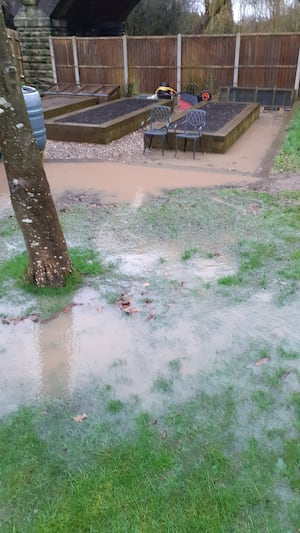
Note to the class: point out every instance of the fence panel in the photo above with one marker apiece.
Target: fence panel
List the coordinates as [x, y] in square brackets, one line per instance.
[151, 60]
[100, 60]
[64, 60]
[207, 61]
[268, 60]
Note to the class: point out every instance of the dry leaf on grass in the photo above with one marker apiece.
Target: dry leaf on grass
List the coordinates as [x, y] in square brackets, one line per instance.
[80, 418]
[131, 310]
[263, 361]
[151, 314]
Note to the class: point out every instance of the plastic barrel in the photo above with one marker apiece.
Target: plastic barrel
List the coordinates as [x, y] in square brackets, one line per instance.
[36, 114]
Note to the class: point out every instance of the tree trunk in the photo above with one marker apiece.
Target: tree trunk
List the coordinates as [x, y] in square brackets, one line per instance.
[48, 259]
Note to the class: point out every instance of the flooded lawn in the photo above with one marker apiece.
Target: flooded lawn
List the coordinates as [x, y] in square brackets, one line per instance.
[164, 393]
[195, 281]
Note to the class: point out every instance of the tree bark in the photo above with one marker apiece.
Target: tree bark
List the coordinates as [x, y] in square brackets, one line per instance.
[31, 198]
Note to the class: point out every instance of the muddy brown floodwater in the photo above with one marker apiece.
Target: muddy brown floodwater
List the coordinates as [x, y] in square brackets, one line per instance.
[95, 340]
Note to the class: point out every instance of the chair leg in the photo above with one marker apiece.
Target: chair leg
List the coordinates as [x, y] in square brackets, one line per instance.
[184, 145]
[176, 148]
[150, 141]
[194, 148]
[201, 146]
[168, 142]
[163, 145]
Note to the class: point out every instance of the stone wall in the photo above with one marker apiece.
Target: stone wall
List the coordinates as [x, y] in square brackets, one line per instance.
[34, 32]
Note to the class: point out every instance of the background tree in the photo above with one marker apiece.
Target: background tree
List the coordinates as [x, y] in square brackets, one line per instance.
[269, 16]
[48, 259]
[169, 17]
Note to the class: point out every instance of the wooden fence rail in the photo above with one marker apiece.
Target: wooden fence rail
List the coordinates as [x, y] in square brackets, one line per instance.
[185, 61]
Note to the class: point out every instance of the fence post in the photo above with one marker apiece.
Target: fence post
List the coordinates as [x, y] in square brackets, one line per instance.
[297, 77]
[75, 56]
[179, 42]
[236, 59]
[52, 57]
[125, 63]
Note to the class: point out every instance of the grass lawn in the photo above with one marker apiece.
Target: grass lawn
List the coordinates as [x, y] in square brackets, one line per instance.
[288, 158]
[212, 448]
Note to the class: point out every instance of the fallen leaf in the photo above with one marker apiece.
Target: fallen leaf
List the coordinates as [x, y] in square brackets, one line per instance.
[146, 284]
[12, 320]
[131, 310]
[100, 308]
[151, 314]
[123, 300]
[69, 307]
[154, 422]
[80, 418]
[164, 435]
[263, 361]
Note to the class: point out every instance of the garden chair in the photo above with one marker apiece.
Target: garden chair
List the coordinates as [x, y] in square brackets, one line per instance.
[190, 128]
[157, 125]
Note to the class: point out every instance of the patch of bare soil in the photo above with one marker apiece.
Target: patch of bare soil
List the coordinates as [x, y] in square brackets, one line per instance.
[278, 183]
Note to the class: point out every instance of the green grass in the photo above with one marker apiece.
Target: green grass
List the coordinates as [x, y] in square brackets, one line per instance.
[188, 253]
[13, 275]
[181, 473]
[288, 158]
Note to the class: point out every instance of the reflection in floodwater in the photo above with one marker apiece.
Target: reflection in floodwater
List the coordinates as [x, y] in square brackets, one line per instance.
[98, 341]
[55, 347]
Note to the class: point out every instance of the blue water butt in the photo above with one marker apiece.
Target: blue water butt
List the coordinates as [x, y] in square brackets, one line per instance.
[36, 114]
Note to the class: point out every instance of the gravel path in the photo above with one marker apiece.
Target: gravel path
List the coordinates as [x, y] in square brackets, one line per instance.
[128, 149]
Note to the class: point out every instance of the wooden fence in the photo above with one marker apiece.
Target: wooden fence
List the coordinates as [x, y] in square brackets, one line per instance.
[13, 40]
[185, 61]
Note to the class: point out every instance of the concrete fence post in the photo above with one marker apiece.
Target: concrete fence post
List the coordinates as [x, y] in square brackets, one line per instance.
[179, 49]
[125, 63]
[236, 59]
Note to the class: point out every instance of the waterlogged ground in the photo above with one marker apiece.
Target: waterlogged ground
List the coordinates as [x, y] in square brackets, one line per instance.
[195, 321]
[196, 280]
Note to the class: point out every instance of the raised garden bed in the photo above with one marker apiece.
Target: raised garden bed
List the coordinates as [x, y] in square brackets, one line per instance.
[101, 124]
[66, 99]
[55, 106]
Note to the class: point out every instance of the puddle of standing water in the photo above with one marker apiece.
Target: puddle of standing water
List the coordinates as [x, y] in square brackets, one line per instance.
[96, 340]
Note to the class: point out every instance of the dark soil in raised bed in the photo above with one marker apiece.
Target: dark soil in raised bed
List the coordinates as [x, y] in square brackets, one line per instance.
[217, 113]
[107, 112]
